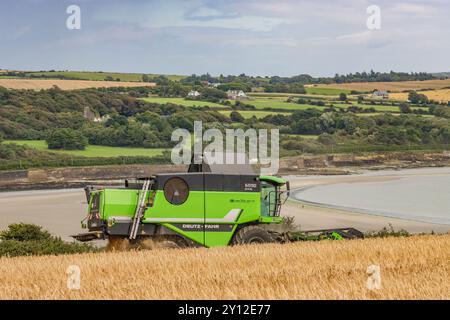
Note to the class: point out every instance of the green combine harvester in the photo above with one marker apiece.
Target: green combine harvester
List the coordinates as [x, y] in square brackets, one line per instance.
[195, 209]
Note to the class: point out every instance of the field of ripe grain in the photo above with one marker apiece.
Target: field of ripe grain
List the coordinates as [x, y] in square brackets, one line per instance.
[411, 268]
[437, 95]
[38, 84]
[392, 86]
[98, 76]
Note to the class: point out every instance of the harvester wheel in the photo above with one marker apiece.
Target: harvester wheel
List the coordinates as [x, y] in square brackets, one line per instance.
[251, 235]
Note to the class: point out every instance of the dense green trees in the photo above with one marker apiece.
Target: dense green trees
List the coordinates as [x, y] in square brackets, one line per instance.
[342, 97]
[169, 88]
[417, 98]
[285, 83]
[285, 88]
[145, 78]
[66, 139]
[236, 117]
[235, 86]
[212, 95]
[405, 108]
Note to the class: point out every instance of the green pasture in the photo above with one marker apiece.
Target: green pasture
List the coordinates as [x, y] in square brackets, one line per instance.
[326, 91]
[247, 114]
[93, 151]
[184, 102]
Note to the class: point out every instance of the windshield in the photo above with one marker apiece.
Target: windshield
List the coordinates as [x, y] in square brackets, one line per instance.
[95, 204]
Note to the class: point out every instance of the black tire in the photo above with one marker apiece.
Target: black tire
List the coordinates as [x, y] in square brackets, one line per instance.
[251, 235]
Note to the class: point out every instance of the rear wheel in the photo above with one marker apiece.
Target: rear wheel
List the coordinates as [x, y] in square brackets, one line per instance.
[251, 235]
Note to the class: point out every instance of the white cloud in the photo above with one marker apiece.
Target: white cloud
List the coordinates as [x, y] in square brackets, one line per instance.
[412, 8]
[187, 14]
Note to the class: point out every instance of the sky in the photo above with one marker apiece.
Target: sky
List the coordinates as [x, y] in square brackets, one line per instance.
[255, 37]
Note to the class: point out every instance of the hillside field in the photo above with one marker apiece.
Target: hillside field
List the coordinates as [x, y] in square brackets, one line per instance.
[410, 268]
[278, 102]
[392, 86]
[39, 84]
[93, 151]
[184, 102]
[437, 95]
[100, 76]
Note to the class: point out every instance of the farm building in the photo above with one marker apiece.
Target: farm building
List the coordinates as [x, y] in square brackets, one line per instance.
[90, 115]
[380, 94]
[193, 94]
[236, 95]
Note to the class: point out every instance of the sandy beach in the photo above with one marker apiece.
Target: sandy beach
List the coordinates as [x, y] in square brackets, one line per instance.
[309, 216]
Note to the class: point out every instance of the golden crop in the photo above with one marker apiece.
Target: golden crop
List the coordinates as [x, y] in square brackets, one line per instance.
[392, 86]
[411, 268]
[437, 95]
[38, 84]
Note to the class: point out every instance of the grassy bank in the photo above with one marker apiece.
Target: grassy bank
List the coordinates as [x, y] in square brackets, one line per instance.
[411, 268]
[93, 151]
[34, 154]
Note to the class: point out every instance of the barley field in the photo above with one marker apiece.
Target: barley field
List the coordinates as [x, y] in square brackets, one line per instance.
[39, 84]
[411, 268]
[437, 95]
[392, 86]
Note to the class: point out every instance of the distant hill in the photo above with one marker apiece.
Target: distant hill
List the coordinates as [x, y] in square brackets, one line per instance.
[86, 75]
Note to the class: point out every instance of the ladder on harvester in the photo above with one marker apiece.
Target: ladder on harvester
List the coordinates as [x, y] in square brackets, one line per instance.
[140, 208]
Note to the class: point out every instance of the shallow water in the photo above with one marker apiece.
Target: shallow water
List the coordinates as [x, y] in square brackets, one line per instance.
[422, 194]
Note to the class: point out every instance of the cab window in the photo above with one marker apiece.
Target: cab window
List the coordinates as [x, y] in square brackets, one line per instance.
[95, 203]
[268, 199]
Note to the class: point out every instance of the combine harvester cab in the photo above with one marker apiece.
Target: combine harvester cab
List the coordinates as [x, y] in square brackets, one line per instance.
[188, 209]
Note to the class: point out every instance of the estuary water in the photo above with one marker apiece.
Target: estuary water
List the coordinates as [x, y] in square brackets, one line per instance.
[414, 194]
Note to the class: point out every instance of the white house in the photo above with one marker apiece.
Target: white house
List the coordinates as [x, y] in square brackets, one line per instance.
[193, 94]
[380, 94]
[236, 95]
